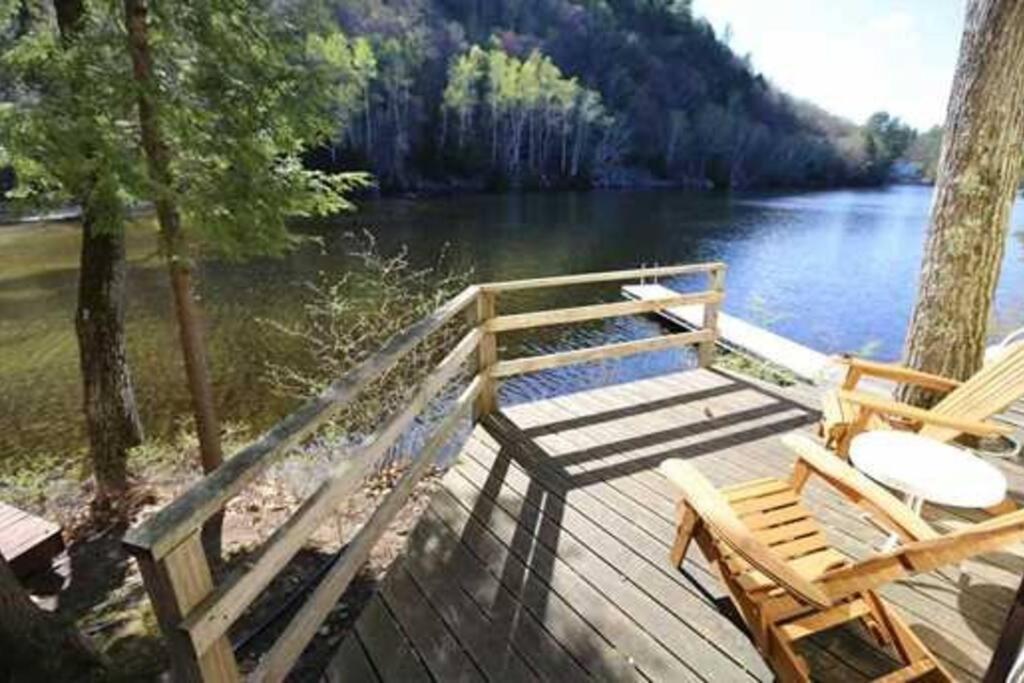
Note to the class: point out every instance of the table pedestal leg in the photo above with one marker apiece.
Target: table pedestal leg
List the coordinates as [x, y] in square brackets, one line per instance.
[915, 503]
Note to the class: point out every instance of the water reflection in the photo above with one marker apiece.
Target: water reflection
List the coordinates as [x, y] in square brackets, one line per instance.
[834, 270]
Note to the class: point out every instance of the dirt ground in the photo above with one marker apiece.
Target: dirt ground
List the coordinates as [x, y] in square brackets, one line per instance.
[97, 584]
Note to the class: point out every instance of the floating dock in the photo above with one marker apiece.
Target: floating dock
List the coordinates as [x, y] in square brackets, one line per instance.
[807, 364]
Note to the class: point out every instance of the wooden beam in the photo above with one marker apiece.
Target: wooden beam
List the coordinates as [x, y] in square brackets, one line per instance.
[286, 650]
[563, 316]
[180, 518]
[608, 276]
[706, 351]
[487, 356]
[507, 368]
[177, 583]
[210, 620]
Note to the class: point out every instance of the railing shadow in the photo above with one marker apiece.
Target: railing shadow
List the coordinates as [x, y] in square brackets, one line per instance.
[512, 519]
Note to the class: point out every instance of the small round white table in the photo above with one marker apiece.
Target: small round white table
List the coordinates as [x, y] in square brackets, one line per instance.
[926, 469]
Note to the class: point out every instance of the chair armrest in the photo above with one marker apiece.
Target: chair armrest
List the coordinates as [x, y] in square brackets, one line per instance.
[858, 488]
[886, 406]
[899, 373]
[716, 514]
[923, 556]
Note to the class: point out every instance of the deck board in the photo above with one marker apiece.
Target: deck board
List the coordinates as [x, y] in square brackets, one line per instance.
[27, 542]
[543, 555]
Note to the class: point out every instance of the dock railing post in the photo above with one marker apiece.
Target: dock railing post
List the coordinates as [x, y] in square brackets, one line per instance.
[176, 584]
[716, 284]
[487, 356]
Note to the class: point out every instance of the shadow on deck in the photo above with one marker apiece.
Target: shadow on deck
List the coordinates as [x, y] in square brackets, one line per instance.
[543, 554]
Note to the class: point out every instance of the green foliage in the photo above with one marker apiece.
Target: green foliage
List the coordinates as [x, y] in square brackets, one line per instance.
[676, 102]
[924, 151]
[887, 139]
[533, 119]
[346, 319]
[243, 91]
[64, 129]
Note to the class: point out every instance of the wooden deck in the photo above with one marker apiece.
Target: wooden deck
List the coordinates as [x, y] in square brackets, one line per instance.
[27, 542]
[543, 555]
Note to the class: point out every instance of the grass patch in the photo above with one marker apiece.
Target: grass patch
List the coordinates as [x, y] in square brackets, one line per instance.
[754, 367]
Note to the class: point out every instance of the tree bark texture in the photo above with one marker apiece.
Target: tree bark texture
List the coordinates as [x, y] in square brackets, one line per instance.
[111, 416]
[979, 168]
[174, 246]
[173, 242]
[36, 644]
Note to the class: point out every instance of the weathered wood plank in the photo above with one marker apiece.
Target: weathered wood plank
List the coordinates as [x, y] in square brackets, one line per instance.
[493, 654]
[27, 542]
[350, 663]
[307, 620]
[511, 622]
[576, 614]
[565, 316]
[614, 571]
[518, 366]
[176, 521]
[391, 654]
[608, 276]
[443, 654]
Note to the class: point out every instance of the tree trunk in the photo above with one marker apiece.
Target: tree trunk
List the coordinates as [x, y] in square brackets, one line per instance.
[36, 644]
[978, 172]
[111, 416]
[178, 262]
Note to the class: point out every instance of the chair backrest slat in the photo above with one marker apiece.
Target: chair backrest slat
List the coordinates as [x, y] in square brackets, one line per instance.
[990, 391]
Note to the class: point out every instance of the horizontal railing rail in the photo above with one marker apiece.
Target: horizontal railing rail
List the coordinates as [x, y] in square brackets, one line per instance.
[195, 615]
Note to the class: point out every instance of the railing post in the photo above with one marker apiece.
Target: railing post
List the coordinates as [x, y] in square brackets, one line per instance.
[487, 356]
[716, 284]
[176, 583]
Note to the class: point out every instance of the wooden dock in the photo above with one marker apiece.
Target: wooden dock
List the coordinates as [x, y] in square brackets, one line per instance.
[27, 542]
[739, 335]
[544, 553]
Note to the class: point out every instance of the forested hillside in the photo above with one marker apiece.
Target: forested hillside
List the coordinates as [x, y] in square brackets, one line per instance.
[491, 94]
[500, 93]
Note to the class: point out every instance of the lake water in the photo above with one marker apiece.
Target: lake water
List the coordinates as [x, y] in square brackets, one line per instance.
[833, 270]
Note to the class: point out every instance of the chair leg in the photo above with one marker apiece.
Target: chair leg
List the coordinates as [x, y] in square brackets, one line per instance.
[787, 664]
[685, 529]
[905, 641]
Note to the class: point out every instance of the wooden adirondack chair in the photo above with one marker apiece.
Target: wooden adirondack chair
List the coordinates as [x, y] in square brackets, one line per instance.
[965, 408]
[785, 579]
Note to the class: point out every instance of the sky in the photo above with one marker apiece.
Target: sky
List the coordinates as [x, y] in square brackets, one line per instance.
[852, 57]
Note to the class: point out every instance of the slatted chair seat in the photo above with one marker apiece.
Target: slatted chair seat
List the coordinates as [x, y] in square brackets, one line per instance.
[965, 408]
[789, 583]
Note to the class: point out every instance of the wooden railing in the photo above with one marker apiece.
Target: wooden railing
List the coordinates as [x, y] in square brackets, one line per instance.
[195, 615]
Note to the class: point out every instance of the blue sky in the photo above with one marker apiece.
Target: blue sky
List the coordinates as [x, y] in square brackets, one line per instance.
[852, 57]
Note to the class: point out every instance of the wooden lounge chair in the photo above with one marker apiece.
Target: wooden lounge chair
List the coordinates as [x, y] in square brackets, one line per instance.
[785, 579]
[965, 408]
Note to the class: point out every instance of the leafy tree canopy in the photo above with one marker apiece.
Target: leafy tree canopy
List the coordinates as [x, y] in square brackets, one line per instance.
[244, 87]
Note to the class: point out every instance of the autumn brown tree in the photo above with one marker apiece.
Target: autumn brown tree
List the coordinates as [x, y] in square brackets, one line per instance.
[979, 169]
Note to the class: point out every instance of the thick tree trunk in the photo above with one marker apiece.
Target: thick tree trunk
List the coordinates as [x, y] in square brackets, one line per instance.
[111, 416]
[978, 173]
[173, 244]
[36, 644]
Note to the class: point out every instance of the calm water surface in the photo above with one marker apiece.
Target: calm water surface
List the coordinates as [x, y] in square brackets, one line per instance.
[834, 270]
